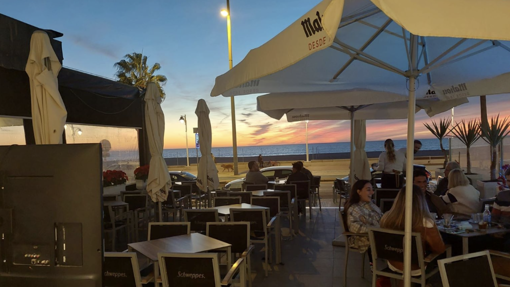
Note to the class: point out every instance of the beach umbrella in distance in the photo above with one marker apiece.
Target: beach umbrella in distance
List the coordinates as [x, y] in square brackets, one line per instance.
[207, 172]
[48, 110]
[391, 45]
[158, 181]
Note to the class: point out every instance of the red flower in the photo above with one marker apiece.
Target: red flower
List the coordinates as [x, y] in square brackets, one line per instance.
[142, 172]
[114, 177]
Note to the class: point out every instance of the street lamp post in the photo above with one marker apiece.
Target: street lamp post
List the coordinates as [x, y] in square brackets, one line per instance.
[226, 13]
[306, 127]
[183, 120]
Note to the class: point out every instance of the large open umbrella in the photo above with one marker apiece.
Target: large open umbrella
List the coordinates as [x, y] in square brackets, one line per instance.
[207, 171]
[48, 110]
[399, 46]
[158, 182]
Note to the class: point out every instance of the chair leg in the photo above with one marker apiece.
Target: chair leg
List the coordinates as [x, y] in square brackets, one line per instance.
[334, 195]
[266, 259]
[319, 197]
[248, 258]
[345, 264]
[310, 205]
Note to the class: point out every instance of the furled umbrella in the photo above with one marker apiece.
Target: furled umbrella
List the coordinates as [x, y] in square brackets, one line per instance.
[48, 110]
[158, 181]
[207, 171]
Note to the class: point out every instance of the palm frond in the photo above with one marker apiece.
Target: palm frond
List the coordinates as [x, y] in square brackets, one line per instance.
[468, 133]
[441, 129]
[496, 131]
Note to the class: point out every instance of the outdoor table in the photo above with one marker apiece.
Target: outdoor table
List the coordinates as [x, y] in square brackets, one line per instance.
[115, 203]
[189, 243]
[260, 192]
[465, 235]
[225, 209]
[272, 183]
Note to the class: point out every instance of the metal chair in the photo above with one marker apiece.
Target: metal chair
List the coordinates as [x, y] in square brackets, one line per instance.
[222, 201]
[348, 248]
[293, 202]
[114, 221]
[316, 191]
[253, 187]
[138, 204]
[303, 194]
[468, 270]
[199, 217]
[245, 195]
[159, 230]
[285, 204]
[125, 263]
[174, 205]
[273, 213]
[340, 187]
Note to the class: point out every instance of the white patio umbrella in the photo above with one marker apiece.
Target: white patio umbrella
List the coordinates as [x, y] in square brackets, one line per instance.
[207, 171]
[393, 46]
[48, 110]
[158, 181]
[359, 165]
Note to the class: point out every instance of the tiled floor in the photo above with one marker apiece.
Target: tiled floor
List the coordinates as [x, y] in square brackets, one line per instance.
[310, 259]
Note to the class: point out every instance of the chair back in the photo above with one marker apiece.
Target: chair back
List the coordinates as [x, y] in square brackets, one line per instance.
[302, 188]
[468, 270]
[120, 269]
[289, 187]
[108, 214]
[235, 233]
[385, 193]
[184, 188]
[185, 269]
[252, 187]
[316, 181]
[135, 201]
[222, 193]
[199, 217]
[194, 187]
[255, 216]
[109, 197]
[386, 204]
[388, 244]
[159, 230]
[222, 201]
[245, 195]
[343, 220]
[485, 201]
[284, 196]
[273, 202]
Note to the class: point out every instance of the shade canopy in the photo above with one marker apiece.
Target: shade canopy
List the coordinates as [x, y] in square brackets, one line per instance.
[207, 171]
[48, 110]
[158, 182]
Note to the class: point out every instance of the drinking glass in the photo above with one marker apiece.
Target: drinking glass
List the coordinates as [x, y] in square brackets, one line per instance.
[474, 218]
[448, 218]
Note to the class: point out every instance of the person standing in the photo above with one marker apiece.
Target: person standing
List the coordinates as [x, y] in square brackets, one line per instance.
[392, 163]
[261, 161]
[417, 147]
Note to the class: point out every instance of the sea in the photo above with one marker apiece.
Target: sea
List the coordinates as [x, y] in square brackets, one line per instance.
[298, 149]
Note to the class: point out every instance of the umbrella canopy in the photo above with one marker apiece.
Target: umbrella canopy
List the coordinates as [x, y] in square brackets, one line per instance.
[207, 172]
[158, 182]
[48, 110]
[410, 48]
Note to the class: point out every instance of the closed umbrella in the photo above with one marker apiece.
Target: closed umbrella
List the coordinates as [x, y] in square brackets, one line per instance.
[207, 172]
[158, 181]
[360, 164]
[48, 110]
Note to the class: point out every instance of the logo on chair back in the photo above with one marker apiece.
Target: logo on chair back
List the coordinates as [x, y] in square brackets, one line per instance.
[190, 275]
[393, 249]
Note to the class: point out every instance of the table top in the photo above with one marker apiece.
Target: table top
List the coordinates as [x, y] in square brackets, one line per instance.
[225, 209]
[260, 192]
[474, 232]
[114, 203]
[189, 243]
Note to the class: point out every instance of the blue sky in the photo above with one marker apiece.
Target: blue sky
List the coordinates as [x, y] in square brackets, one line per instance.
[188, 38]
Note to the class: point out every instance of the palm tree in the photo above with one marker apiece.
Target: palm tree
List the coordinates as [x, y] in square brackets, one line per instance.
[134, 71]
[440, 130]
[468, 133]
[494, 134]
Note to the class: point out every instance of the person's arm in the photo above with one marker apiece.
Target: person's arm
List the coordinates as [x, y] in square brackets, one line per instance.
[433, 239]
[356, 221]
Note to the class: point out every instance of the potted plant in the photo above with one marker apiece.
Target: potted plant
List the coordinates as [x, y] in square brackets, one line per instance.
[114, 181]
[440, 130]
[493, 134]
[468, 133]
[141, 175]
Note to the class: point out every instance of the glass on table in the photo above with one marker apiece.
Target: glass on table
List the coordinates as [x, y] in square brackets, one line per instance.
[448, 218]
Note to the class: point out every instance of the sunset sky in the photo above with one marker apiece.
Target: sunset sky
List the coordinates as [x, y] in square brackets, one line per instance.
[189, 40]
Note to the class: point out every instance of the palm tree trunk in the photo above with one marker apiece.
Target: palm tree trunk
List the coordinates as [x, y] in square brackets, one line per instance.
[468, 158]
[444, 152]
[483, 113]
[494, 158]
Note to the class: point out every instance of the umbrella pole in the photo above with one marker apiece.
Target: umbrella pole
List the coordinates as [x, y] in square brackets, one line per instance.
[409, 165]
[160, 212]
[351, 166]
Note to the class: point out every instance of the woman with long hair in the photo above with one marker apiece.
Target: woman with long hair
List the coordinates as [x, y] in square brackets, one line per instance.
[422, 223]
[361, 213]
[392, 163]
[461, 198]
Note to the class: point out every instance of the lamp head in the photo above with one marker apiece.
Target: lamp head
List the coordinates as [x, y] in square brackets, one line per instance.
[181, 119]
[224, 12]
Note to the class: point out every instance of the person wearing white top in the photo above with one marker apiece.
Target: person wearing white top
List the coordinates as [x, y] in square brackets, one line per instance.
[461, 198]
[392, 163]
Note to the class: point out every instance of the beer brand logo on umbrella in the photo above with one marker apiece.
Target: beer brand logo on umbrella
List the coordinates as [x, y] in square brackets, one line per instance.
[311, 27]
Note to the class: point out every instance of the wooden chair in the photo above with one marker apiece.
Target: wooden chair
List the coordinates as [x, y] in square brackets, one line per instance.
[199, 217]
[258, 227]
[238, 235]
[468, 270]
[245, 195]
[347, 234]
[388, 244]
[159, 230]
[125, 264]
[198, 269]
[222, 201]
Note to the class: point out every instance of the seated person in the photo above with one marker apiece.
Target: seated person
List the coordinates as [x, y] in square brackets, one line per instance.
[422, 222]
[307, 172]
[297, 174]
[254, 176]
[461, 198]
[420, 179]
[442, 185]
[501, 207]
[361, 213]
